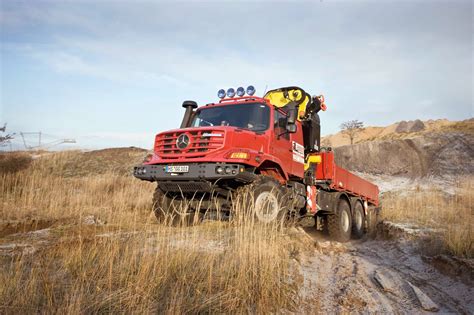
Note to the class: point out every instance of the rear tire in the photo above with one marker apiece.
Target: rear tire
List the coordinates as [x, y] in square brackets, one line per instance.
[340, 223]
[358, 221]
[372, 221]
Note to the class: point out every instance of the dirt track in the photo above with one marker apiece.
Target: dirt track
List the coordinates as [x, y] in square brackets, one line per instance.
[343, 278]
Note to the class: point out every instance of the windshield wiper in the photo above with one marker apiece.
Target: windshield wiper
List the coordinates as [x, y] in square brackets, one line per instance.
[207, 122]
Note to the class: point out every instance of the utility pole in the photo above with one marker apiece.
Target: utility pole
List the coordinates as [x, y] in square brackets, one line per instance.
[24, 142]
[41, 144]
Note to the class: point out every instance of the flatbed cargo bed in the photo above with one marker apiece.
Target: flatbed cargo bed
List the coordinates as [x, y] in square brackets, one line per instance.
[340, 179]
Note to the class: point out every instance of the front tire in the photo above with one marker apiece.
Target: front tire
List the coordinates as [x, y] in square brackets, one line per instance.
[161, 205]
[266, 200]
[340, 223]
[171, 210]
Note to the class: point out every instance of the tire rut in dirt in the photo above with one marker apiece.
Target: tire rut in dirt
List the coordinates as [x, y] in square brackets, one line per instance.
[406, 266]
[345, 282]
[342, 287]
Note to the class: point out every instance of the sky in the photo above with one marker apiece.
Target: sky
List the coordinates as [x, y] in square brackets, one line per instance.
[115, 73]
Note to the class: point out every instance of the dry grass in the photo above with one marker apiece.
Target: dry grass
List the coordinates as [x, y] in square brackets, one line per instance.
[134, 265]
[11, 162]
[39, 192]
[131, 264]
[453, 214]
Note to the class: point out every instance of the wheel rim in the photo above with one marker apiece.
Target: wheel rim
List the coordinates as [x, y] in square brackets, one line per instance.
[345, 221]
[266, 207]
[358, 220]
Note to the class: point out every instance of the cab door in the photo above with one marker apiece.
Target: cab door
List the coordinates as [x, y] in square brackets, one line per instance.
[288, 147]
[297, 148]
[281, 146]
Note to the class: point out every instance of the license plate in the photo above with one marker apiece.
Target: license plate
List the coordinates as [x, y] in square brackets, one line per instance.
[177, 169]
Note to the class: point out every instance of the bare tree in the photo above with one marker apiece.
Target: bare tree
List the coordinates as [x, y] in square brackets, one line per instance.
[4, 139]
[351, 128]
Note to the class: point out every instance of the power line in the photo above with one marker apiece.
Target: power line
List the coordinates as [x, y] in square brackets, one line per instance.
[42, 145]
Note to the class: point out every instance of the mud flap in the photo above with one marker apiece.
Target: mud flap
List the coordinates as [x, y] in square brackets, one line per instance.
[311, 206]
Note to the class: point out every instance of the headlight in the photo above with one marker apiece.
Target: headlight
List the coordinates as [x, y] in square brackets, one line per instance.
[140, 171]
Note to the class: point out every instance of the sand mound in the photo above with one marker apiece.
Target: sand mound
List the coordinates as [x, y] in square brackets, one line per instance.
[410, 126]
[402, 130]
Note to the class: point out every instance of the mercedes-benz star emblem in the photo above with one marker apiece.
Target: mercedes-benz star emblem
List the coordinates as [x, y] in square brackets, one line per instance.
[182, 142]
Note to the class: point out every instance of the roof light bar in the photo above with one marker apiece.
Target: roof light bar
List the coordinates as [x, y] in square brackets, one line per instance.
[240, 92]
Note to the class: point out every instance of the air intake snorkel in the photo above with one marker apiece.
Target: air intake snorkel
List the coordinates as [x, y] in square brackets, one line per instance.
[189, 106]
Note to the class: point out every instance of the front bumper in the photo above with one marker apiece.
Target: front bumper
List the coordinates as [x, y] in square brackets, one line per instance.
[196, 172]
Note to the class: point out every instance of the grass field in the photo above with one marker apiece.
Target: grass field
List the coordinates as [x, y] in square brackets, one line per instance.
[451, 214]
[90, 243]
[131, 263]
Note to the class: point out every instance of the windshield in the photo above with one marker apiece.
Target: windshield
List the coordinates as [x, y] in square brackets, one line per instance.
[254, 116]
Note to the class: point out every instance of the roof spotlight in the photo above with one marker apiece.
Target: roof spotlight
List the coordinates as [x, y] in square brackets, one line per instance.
[240, 91]
[221, 93]
[230, 92]
[250, 90]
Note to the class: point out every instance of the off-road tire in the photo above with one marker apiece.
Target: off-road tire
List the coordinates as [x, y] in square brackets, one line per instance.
[339, 224]
[250, 196]
[161, 204]
[170, 210]
[372, 221]
[358, 221]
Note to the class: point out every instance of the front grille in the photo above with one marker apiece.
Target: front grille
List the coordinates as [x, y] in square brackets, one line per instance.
[199, 144]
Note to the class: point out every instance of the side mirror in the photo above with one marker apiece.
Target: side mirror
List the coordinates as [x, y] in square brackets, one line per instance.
[291, 128]
[291, 120]
[292, 115]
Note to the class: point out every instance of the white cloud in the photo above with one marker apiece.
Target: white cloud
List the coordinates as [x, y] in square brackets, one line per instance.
[383, 62]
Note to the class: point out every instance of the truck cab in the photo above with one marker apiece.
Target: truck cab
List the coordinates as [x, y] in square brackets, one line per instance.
[245, 131]
[239, 145]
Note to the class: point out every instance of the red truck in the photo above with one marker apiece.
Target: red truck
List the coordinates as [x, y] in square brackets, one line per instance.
[267, 148]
